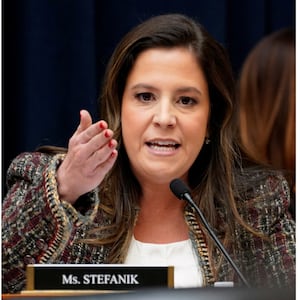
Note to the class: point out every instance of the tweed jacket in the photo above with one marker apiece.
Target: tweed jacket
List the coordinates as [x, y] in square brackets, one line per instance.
[38, 227]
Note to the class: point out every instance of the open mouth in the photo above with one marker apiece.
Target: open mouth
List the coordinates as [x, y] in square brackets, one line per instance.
[163, 145]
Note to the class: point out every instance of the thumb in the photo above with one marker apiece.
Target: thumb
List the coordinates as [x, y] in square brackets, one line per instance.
[85, 120]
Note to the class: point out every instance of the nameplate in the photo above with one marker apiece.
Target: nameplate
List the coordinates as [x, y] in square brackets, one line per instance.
[97, 277]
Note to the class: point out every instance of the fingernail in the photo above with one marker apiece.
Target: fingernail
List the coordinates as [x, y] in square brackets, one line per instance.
[101, 125]
[106, 134]
[110, 144]
[114, 153]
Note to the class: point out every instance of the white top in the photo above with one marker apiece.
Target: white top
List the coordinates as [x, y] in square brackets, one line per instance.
[181, 255]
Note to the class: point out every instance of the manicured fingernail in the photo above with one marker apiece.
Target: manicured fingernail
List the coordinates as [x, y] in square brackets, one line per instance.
[110, 144]
[101, 125]
[113, 154]
[106, 134]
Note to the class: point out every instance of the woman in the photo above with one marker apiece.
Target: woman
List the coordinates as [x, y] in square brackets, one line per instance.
[167, 111]
[267, 104]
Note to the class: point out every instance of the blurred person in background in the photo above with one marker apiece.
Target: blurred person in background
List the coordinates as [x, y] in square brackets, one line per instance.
[266, 91]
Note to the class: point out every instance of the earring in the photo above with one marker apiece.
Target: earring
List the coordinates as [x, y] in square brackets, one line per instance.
[207, 140]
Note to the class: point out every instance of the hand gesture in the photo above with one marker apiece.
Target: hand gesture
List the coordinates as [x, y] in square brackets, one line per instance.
[91, 154]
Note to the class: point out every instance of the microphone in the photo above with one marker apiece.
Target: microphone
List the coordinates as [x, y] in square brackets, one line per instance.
[182, 192]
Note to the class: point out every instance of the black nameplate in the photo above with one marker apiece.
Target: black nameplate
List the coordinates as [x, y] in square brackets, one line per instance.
[97, 277]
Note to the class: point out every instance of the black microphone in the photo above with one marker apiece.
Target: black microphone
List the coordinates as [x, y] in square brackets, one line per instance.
[182, 192]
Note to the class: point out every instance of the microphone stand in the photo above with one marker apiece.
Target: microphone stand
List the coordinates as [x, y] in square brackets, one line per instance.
[188, 198]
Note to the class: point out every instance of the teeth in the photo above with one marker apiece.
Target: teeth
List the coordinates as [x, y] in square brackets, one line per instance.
[163, 145]
[160, 143]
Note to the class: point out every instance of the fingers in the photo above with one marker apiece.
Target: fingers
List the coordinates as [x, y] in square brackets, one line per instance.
[104, 167]
[92, 143]
[102, 155]
[91, 154]
[86, 131]
[101, 141]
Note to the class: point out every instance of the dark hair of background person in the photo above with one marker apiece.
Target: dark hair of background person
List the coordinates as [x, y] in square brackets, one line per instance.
[266, 91]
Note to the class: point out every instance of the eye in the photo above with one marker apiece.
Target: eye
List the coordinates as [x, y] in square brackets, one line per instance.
[187, 101]
[145, 97]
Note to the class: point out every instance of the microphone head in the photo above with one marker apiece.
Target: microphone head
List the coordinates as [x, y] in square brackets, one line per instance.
[179, 188]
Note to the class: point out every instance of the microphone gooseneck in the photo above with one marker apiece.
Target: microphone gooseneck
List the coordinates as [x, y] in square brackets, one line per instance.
[182, 192]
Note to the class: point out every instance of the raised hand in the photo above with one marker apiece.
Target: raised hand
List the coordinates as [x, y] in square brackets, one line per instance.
[91, 154]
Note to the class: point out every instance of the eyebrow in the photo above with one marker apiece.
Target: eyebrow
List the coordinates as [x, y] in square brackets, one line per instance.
[143, 85]
[181, 90]
[189, 89]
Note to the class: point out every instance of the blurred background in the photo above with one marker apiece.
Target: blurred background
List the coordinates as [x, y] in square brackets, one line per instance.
[54, 54]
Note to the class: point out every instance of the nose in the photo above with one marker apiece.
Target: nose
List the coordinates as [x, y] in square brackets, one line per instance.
[164, 115]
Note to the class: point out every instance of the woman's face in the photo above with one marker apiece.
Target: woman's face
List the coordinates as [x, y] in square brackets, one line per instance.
[165, 112]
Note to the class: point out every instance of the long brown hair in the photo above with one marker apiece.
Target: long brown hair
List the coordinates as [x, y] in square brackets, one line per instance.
[211, 177]
[266, 91]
